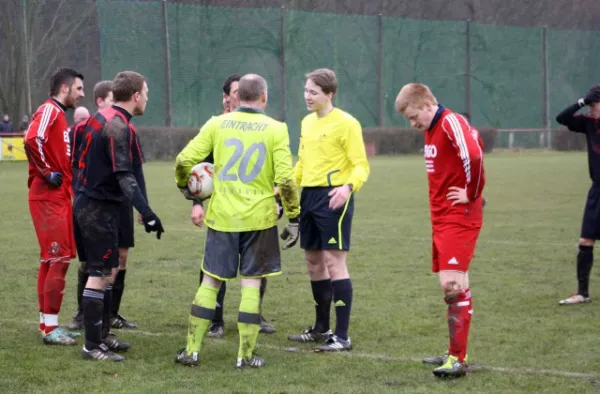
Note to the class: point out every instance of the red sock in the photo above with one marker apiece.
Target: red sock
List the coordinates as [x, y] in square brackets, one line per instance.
[53, 293]
[460, 309]
[43, 271]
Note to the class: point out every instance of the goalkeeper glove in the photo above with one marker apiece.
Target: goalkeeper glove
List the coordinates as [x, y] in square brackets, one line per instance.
[290, 233]
[186, 193]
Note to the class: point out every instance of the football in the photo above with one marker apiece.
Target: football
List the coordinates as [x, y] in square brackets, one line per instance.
[200, 183]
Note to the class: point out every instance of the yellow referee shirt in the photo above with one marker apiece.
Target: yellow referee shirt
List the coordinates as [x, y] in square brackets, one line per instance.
[332, 151]
[251, 153]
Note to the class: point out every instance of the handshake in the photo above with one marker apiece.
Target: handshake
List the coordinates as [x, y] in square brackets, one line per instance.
[591, 97]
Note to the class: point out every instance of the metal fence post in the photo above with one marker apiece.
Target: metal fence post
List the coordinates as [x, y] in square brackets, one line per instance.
[282, 63]
[380, 72]
[167, 65]
[468, 70]
[546, 90]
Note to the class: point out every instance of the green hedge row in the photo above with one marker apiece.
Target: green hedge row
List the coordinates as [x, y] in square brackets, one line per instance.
[397, 141]
[161, 143]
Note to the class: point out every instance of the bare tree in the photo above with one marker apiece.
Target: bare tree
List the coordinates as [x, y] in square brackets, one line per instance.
[36, 37]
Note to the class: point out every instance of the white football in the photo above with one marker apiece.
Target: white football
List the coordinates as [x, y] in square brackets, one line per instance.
[200, 183]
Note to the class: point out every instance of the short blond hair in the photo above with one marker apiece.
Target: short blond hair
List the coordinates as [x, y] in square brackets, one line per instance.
[414, 95]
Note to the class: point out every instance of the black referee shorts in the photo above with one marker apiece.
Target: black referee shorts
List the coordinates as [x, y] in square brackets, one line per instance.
[323, 228]
[590, 226]
[126, 225]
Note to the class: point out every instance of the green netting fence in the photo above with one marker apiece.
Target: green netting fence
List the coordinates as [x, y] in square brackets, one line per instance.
[504, 77]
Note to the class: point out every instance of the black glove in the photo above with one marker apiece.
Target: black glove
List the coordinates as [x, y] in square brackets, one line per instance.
[279, 207]
[152, 224]
[592, 96]
[55, 179]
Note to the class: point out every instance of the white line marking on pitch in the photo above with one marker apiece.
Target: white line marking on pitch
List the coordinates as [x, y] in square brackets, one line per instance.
[370, 356]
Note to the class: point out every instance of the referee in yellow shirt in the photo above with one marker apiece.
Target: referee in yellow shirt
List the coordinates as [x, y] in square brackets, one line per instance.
[332, 166]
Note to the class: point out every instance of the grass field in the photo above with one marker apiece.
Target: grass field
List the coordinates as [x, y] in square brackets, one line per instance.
[521, 341]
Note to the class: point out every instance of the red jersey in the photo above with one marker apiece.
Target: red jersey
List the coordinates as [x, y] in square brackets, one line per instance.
[48, 148]
[454, 157]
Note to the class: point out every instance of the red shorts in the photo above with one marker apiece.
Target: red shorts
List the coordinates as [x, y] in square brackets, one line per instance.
[53, 222]
[453, 247]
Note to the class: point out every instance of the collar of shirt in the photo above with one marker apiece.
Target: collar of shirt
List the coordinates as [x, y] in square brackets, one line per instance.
[250, 110]
[125, 113]
[438, 115]
[61, 105]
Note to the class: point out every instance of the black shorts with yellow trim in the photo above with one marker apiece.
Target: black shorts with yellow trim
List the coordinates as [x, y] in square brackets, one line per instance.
[323, 228]
[254, 254]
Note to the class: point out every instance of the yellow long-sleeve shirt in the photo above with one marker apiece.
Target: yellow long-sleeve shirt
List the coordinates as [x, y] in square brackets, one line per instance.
[332, 151]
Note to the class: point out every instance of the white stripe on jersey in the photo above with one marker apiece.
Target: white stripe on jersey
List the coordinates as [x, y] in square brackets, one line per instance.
[459, 137]
[41, 135]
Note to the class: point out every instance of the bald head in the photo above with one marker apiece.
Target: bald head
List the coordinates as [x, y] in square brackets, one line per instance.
[252, 88]
[81, 113]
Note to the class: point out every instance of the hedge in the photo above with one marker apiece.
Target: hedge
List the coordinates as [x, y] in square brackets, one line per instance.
[161, 143]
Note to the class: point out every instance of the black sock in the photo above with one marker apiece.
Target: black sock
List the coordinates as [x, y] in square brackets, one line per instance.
[106, 311]
[585, 260]
[218, 318]
[82, 277]
[117, 294]
[92, 305]
[322, 291]
[342, 295]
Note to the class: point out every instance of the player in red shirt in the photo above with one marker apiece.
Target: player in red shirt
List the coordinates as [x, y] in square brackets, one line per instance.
[454, 163]
[50, 194]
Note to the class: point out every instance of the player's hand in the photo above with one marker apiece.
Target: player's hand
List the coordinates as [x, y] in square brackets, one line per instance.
[338, 196]
[152, 224]
[276, 191]
[290, 234]
[186, 193]
[458, 195]
[140, 219]
[55, 179]
[197, 215]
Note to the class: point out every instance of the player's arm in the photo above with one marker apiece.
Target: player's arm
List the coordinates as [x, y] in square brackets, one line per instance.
[568, 118]
[284, 174]
[288, 190]
[470, 153]
[119, 146]
[198, 149]
[36, 146]
[357, 155]
[299, 167]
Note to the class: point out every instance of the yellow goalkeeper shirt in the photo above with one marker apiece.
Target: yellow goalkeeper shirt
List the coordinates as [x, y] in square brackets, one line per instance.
[251, 153]
[331, 152]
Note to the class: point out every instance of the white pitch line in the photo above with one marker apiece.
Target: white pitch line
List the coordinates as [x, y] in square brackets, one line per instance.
[372, 356]
[385, 357]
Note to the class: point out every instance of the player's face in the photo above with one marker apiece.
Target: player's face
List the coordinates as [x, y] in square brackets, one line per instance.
[595, 110]
[233, 99]
[420, 118]
[314, 96]
[141, 100]
[105, 103]
[75, 93]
